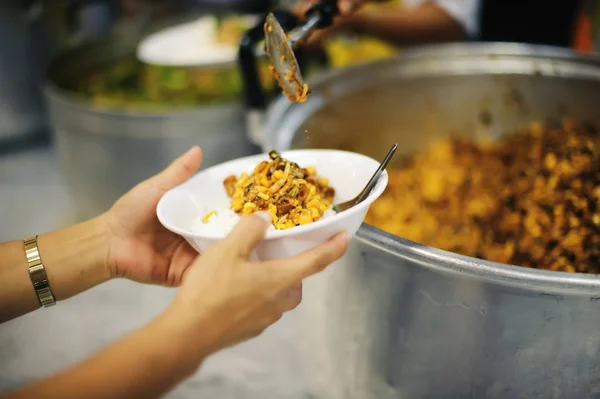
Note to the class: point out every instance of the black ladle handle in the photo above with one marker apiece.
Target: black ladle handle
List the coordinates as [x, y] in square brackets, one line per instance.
[367, 190]
[327, 9]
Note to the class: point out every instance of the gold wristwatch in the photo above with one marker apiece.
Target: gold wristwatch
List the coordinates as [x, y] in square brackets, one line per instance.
[37, 273]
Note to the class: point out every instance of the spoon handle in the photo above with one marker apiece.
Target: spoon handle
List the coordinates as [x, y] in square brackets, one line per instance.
[365, 192]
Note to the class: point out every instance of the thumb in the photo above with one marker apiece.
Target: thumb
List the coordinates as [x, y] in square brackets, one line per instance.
[310, 262]
[249, 231]
[179, 170]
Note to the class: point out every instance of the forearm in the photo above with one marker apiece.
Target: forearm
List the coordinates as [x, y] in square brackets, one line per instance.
[428, 23]
[145, 364]
[75, 259]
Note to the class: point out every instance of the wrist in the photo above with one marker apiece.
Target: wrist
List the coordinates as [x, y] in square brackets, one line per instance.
[190, 338]
[75, 258]
[94, 246]
[101, 228]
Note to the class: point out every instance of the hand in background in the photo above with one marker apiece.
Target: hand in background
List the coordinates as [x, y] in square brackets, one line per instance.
[345, 6]
[140, 248]
[349, 6]
[347, 21]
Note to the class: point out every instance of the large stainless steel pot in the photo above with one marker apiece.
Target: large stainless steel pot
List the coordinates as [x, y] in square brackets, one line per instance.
[395, 319]
[104, 152]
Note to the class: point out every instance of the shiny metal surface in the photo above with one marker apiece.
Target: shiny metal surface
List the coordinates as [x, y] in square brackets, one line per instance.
[106, 152]
[396, 319]
[343, 206]
[282, 58]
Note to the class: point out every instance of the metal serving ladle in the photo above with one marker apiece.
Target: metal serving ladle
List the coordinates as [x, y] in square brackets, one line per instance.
[279, 46]
[370, 185]
[283, 60]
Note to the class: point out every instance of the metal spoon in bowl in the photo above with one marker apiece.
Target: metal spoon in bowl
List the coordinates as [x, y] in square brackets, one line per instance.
[370, 185]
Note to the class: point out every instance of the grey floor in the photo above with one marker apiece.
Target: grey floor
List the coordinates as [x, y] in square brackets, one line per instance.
[33, 199]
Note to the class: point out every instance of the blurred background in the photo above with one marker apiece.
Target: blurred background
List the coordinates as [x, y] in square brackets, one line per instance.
[70, 80]
[82, 120]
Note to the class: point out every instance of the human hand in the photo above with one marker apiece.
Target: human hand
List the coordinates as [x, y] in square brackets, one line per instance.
[349, 19]
[349, 6]
[225, 299]
[140, 248]
[345, 6]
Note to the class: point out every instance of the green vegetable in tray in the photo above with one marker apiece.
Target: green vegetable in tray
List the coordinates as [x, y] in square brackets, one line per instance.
[132, 84]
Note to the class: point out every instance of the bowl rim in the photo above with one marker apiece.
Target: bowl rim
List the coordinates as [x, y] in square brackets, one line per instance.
[277, 234]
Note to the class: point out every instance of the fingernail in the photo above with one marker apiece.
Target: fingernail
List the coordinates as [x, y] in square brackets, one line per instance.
[264, 216]
[189, 152]
[194, 148]
[345, 236]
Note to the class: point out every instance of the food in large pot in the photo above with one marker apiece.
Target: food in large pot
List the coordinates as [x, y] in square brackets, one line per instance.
[397, 318]
[531, 199]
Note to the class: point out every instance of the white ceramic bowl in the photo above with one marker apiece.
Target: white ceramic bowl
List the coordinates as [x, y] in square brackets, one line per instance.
[181, 209]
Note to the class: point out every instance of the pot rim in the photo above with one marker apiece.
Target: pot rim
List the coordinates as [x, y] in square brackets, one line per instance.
[68, 99]
[437, 51]
[545, 282]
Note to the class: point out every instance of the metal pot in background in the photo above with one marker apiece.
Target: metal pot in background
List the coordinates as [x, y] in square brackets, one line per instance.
[396, 319]
[23, 54]
[31, 33]
[104, 151]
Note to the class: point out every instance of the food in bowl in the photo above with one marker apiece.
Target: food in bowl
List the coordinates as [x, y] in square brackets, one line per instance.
[131, 84]
[531, 199]
[291, 194]
[182, 209]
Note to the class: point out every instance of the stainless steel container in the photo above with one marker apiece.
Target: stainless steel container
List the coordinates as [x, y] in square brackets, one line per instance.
[23, 54]
[396, 319]
[104, 152]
